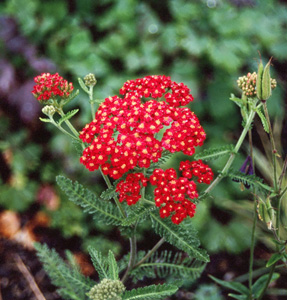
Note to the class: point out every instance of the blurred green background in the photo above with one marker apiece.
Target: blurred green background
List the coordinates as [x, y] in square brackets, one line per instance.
[206, 44]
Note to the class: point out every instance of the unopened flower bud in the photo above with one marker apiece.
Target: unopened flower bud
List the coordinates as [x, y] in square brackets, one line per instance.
[263, 86]
[90, 80]
[266, 212]
[49, 110]
[107, 289]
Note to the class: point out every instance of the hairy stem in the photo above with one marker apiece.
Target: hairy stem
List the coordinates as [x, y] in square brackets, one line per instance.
[150, 253]
[232, 155]
[132, 260]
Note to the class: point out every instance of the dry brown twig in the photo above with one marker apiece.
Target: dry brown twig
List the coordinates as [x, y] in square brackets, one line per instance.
[30, 279]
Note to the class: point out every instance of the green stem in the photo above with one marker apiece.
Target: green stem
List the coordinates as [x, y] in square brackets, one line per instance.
[133, 250]
[108, 183]
[150, 253]
[273, 147]
[63, 130]
[91, 88]
[267, 282]
[234, 152]
[71, 127]
[252, 246]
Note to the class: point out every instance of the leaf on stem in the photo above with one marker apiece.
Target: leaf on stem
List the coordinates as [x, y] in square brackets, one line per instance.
[274, 258]
[151, 292]
[260, 283]
[232, 285]
[113, 269]
[68, 116]
[214, 153]
[179, 236]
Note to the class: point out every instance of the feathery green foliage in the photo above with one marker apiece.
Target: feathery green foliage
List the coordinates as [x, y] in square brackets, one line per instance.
[214, 153]
[68, 116]
[263, 119]
[179, 236]
[72, 284]
[168, 263]
[100, 263]
[251, 180]
[113, 270]
[137, 214]
[151, 292]
[91, 204]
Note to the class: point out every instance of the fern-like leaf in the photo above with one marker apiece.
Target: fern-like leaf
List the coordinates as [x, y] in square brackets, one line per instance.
[167, 263]
[179, 236]
[91, 204]
[110, 192]
[113, 269]
[251, 180]
[263, 119]
[214, 153]
[71, 97]
[99, 262]
[137, 214]
[82, 85]
[151, 292]
[68, 116]
[72, 284]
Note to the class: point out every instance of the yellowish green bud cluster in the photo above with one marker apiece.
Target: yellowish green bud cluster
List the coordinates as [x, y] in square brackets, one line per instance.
[107, 289]
[265, 212]
[247, 84]
[90, 80]
[49, 110]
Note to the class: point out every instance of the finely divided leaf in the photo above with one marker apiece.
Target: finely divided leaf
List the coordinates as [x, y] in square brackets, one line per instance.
[106, 211]
[83, 86]
[99, 262]
[263, 119]
[214, 153]
[72, 284]
[152, 292]
[251, 180]
[68, 116]
[137, 214]
[169, 264]
[179, 236]
[113, 269]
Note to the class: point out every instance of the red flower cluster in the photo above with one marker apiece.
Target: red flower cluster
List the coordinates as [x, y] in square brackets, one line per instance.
[172, 192]
[49, 86]
[197, 169]
[155, 86]
[129, 189]
[123, 133]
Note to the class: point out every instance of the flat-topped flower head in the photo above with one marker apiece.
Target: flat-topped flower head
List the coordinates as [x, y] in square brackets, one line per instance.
[49, 86]
[133, 131]
[107, 289]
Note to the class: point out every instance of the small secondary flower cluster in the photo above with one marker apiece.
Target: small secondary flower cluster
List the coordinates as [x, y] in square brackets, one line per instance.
[49, 86]
[247, 84]
[123, 133]
[171, 194]
[107, 289]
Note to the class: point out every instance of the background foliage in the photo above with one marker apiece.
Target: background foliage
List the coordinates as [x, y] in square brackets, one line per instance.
[206, 44]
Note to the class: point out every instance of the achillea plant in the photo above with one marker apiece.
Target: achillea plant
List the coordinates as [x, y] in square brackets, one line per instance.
[128, 140]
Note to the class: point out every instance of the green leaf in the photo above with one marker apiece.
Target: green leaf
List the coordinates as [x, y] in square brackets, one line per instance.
[70, 98]
[76, 193]
[83, 86]
[68, 116]
[235, 286]
[137, 214]
[263, 119]
[260, 283]
[151, 292]
[45, 120]
[251, 180]
[71, 283]
[214, 153]
[99, 262]
[169, 264]
[179, 236]
[238, 101]
[113, 270]
[239, 297]
[274, 258]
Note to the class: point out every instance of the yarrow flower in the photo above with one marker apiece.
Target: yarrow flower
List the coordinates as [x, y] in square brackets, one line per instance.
[123, 133]
[107, 289]
[51, 85]
[247, 84]
[133, 131]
